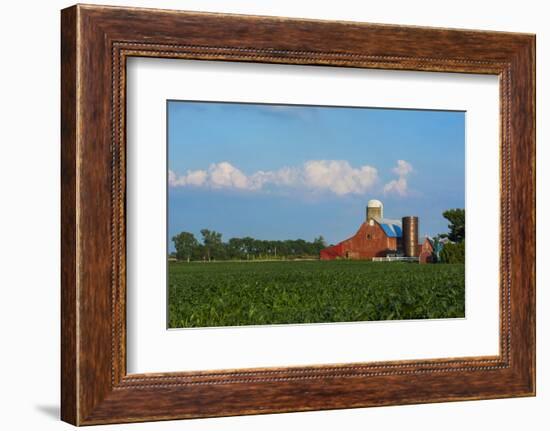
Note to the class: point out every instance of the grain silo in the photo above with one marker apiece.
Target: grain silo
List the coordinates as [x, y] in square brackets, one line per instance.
[375, 210]
[410, 235]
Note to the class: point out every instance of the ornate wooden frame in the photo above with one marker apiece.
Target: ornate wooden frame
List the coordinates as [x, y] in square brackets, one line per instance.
[95, 43]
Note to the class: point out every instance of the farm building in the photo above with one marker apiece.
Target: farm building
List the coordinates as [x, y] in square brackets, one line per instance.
[378, 237]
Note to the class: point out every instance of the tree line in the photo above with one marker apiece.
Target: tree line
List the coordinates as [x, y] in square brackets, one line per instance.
[212, 247]
[455, 250]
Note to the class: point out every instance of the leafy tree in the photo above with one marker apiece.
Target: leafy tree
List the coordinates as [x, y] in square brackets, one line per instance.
[320, 240]
[453, 253]
[199, 253]
[457, 224]
[235, 248]
[319, 243]
[248, 246]
[185, 243]
[213, 245]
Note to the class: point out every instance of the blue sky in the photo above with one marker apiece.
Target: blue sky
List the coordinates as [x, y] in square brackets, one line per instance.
[288, 171]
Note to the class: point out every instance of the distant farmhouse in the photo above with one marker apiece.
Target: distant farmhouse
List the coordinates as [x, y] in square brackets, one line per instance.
[379, 238]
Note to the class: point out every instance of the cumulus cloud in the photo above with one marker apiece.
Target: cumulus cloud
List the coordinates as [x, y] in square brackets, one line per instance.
[338, 176]
[192, 178]
[400, 185]
[403, 168]
[218, 175]
[335, 176]
[225, 175]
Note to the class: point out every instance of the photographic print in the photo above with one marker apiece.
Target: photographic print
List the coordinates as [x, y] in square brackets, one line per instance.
[296, 214]
[272, 221]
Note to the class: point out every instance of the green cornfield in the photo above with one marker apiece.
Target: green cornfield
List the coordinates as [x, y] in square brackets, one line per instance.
[285, 292]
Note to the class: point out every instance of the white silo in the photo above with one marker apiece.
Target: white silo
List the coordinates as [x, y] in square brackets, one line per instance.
[375, 210]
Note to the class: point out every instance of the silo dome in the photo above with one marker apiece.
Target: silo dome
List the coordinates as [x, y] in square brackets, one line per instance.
[375, 210]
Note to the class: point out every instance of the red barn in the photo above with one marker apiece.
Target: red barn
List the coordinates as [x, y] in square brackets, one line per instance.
[372, 239]
[378, 237]
[426, 251]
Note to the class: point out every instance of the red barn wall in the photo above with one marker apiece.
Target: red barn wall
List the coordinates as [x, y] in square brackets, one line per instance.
[426, 252]
[368, 242]
[331, 253]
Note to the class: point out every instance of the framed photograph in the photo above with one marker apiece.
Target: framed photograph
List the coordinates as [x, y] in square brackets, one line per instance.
[264, 214]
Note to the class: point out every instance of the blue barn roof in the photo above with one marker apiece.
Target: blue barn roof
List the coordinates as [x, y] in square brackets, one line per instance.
[392, 230]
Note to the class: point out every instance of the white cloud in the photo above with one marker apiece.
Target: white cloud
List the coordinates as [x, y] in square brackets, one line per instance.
[403, 168]
[196, 178]
[218, 175]
[335, 176]
[338, 176]
[192, 178]
[287, 177]
[225, 175]
[400, 185]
